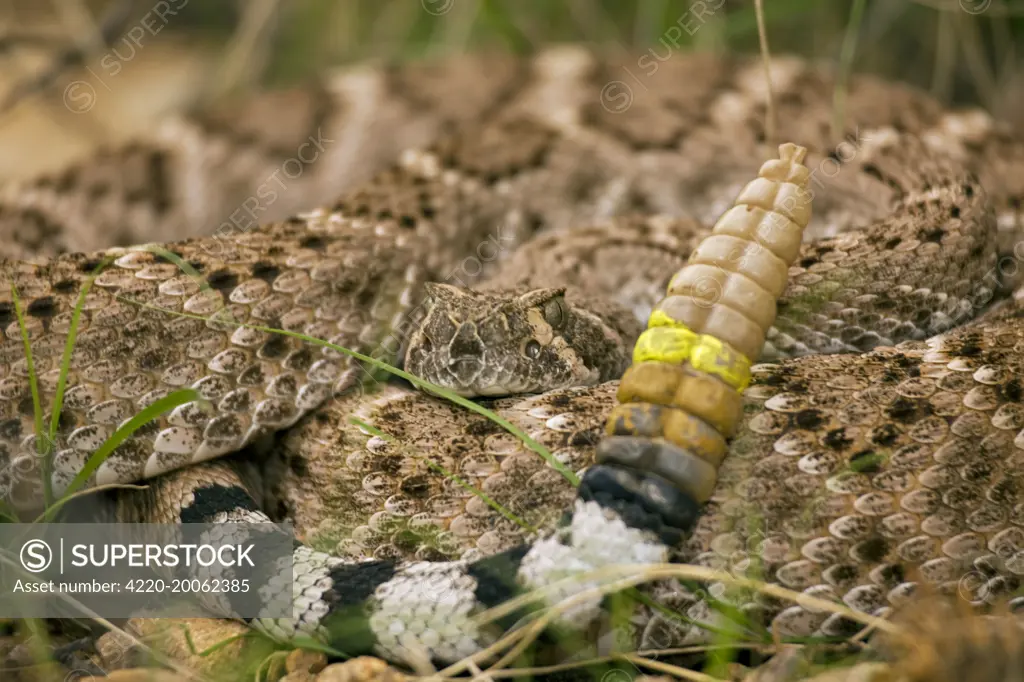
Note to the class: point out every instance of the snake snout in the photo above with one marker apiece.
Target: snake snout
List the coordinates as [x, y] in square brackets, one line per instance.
[466, 345]
[465, 355]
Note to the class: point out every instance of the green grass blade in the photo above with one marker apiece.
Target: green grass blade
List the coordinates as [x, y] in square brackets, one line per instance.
[488, 500]
[52, 509]
[452, 397]
[185, 267]
[182, 264]
[144, 416]
[7, 514]
[69, 347]
[37, 407]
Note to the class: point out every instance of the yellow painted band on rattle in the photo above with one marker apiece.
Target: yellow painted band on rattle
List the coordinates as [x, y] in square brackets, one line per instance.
[719, 358]
[677, 345]
[658, 318]
[664, 344]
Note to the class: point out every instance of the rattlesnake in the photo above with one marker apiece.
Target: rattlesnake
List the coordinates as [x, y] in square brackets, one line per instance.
[555, 151]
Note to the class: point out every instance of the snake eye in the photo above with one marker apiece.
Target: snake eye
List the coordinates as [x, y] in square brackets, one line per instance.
[532, 349]
[556, 313]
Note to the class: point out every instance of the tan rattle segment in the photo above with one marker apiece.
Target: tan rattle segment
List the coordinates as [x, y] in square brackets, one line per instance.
[729, 287]
[681, 398]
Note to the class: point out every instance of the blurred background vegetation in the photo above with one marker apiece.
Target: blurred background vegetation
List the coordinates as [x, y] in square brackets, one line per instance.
[186, 52]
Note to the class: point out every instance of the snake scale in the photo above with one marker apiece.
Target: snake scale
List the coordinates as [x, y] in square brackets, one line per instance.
[880, 448]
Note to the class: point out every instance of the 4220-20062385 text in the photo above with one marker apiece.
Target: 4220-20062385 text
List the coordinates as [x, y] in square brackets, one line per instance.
[185, 585]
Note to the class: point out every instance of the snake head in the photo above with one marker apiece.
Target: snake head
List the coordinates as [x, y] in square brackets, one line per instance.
[493, 344]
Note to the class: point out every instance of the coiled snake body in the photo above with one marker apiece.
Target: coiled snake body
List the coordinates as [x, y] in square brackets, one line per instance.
[856, 476]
